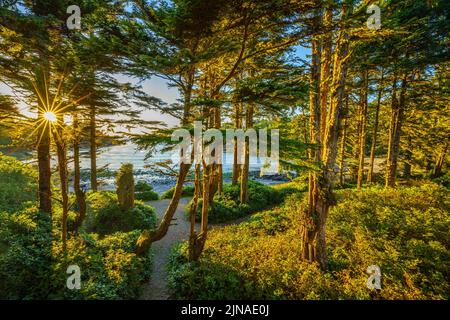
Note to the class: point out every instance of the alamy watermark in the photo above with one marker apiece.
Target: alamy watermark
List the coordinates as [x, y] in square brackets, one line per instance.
[74, 20]
[208, 146]
[374, 21]
[374, 280]
[74, 280]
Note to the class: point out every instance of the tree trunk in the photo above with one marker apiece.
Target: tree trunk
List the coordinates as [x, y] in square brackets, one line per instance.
[193, 213]
[407, 160]
[62, 165]
[93, 148]
[246, 166]
[219, 166]
[320, 191]
[198, 243]
[325, 71]
[148, 236]
[80, 195]
[343, 144]
[370, 177]
[437, 172]
[236, 167]
[44, 165]
[395, 131]
[362, 133]
[310, 226]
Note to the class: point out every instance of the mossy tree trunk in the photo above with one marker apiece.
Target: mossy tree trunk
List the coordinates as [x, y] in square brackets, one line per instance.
[125, 187]
[193, 213]
[320, 184]
[198, 242]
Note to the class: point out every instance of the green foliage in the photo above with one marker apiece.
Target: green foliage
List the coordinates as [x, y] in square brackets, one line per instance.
[109, 267]
[105, 215]
[18, 184]
[227, 206]
[34, 267]
[444, 180]
[188, 191]
[144, 192]
[25, 254]
[403, 231]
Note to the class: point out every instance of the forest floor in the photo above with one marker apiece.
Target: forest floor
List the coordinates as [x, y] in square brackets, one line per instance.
[156, 288]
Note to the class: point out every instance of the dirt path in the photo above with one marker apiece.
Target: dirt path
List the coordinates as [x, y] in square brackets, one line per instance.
[156, 288]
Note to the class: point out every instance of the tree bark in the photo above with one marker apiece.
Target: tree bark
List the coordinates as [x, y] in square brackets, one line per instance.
[309, 229]
[343, 144]
[93, 148]
[395, 131]
[325, 69]
[320, 191]
[44, 165]
[236, 167]
[148, 236]
[407, 160]
[362, 133]
[437, 172]
[246, 165]
[370, 176]
[198, 243]
[79, 194]
[62, 166]
[193, 213]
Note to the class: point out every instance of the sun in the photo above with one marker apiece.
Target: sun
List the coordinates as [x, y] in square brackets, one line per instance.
[50, 116]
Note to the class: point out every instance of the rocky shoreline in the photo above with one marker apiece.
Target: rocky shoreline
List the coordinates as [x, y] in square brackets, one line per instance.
[162, 183]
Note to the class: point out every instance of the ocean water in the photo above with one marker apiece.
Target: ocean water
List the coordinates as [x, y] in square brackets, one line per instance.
[115, 156]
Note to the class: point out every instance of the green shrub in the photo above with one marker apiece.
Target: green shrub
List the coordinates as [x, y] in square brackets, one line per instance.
[404, 231]
[32, 263]
[144, 192]
[33, 266]
[444, 180]
[227, 206]
[106, 217]
[18, 185]
[188, 191]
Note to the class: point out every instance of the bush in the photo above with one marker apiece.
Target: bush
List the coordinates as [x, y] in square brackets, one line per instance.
[188, 191]
[144, 192]
[443, 180]
[32, 263]
[403, 231]
[226, 206]
[18, 185]
[106, 217]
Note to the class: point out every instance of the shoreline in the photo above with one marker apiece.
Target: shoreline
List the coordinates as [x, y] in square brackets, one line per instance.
[161, 183]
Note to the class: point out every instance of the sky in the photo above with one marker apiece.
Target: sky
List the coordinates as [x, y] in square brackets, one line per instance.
[156, 87]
